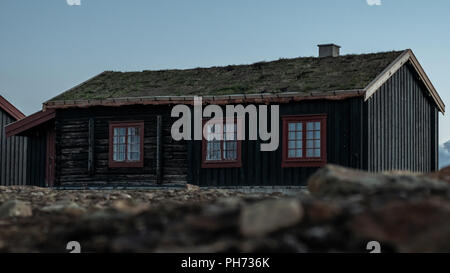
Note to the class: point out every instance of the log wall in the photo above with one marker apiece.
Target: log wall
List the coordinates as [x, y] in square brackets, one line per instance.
[72, 148]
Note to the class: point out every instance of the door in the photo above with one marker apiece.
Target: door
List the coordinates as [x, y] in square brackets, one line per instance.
[50, 161]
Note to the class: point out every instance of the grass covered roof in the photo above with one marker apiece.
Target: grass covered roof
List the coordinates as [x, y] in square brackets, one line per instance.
[285, 75]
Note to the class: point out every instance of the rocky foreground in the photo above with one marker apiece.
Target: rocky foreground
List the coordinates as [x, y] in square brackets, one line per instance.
[342, 212]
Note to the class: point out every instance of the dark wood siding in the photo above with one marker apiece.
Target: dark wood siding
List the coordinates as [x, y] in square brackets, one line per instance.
[344, 147]
[13, 156]
[72, 148]
[402, 125]
[36, 156]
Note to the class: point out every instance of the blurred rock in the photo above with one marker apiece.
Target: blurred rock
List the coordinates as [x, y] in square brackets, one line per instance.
[405, 212]
[268, 216]
[412, 226]
[129, 207]
[442, 174]
[319, 211]
[64, 207]
[190, 187]
[334, 180]
[15, 208]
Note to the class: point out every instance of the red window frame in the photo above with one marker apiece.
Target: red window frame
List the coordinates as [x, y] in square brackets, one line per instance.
[237, 163]
[305, 161]
[126, 164]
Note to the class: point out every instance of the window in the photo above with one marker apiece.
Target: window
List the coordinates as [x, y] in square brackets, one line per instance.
[126, 144]
[304, 141]
[221, 148]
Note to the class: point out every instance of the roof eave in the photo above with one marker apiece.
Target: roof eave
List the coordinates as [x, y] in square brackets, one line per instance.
[11, 109]
[284, 97]
[30, 122]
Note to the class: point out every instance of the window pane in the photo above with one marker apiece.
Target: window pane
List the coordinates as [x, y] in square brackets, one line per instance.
[133, 152]
[316, 143]
[299, 135]
[291, 126]
[291, 153]
[299, 144]
[309, 153]
[310, 126]
[230, 132]
[213, 150]
[317, 134]
[317, 152]
[291, 144]
[309, 135]
[119, 152]
[230, 155]
[309, 144]
[115, 153]
[217, 145]
[133, 144]
[299, 153]
[209, 149]
[119, 142]
[116, 134]
[210, 132]
[299, 126]
[291, 135]
[317, 125]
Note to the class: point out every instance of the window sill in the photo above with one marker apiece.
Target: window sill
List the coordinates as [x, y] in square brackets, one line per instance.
[303, 163]
[221, 164]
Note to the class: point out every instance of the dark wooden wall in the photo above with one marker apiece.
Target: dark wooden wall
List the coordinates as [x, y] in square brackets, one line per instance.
[72, 148]
[13, 155]
[344, 147]
[402, 125]
[36, 157]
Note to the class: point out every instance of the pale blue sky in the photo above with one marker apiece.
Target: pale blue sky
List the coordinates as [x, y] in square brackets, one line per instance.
[47, 46]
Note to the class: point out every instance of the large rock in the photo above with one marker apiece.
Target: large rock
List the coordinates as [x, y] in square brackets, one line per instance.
[268, 216]
[15, 208]
[408, 226]
[334, 180]
[443, 174]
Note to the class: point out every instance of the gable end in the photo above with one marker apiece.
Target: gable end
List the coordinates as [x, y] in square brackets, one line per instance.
[388, 72]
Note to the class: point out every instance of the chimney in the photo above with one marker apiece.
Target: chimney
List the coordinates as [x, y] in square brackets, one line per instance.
[328, 50]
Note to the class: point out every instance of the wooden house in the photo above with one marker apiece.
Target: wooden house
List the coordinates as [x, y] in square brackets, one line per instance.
[13, 150]
[370, 111]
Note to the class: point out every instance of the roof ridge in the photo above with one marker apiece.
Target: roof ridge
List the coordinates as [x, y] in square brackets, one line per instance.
[254, 63]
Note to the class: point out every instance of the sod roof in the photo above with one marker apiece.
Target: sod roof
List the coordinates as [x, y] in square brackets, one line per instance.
[347, 72]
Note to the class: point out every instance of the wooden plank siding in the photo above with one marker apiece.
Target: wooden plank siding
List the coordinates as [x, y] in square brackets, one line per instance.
[401, 126]
[72, 148]
[36, 158]
[344, 147]
[13, 156]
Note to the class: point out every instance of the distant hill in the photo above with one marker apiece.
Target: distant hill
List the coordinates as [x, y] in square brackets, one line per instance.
[444, 155]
